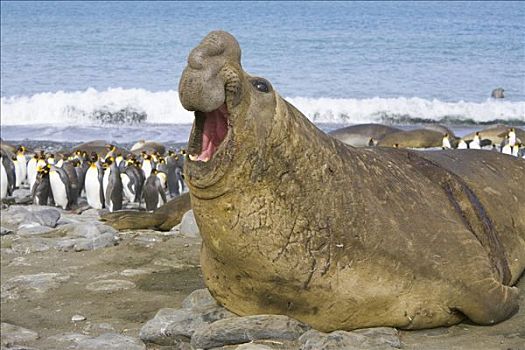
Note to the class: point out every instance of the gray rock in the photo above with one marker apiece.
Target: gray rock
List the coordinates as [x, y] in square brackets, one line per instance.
[498, 93]
[32, 229]
[11, 334]
[110, 341]
[71, 338]
[110, 285]
[83, 236]
[30, 214]
[239, 330]
[172, 326]
[39, 283]
[200, 298]
[188, 225]
[381, 338]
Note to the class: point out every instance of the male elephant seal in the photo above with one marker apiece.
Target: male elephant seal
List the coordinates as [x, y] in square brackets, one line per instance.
[295, 222]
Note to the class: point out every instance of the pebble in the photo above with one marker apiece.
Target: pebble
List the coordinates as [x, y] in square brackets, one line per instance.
[78, 318]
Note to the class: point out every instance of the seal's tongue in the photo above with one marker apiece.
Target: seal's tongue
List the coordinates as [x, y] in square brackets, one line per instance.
[214, 132]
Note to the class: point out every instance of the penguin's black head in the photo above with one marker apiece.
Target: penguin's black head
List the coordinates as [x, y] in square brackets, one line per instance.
[170, 153]
[94, 157]
[154, 171]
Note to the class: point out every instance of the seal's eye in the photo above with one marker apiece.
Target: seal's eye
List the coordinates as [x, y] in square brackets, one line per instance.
[261, 85]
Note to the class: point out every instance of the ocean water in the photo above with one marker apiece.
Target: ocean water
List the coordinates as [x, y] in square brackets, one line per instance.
[111, 69]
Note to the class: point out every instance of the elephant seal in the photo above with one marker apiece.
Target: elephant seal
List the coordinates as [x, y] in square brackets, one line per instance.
[296, 222]
[496, 134]
[100, 147]
[162, 219]
[418, 138]
[148, 147]
[360, 135]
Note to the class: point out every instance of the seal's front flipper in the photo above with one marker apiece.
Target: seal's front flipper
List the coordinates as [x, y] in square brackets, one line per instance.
[132, 220]
[489, 302]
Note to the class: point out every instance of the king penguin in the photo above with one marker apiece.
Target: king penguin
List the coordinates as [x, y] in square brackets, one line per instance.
[112, 185]
[512, 137]
[147, 165]
[60, 187]
[22, 166]
[153, 192]
[476, 142]
[9, 168]
[93, 183]
[42, 187]
[445, 144]
[32, 170]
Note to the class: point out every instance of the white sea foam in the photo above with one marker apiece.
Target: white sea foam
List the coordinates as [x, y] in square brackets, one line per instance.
[406, 110]
[82, 107]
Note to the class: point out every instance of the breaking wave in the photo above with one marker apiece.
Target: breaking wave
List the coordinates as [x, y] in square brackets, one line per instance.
[136, 106]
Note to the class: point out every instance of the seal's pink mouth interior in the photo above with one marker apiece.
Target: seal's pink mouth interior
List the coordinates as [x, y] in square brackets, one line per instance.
[214, 132]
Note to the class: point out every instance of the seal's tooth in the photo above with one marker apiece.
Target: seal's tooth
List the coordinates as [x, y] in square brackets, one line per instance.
[193, 157]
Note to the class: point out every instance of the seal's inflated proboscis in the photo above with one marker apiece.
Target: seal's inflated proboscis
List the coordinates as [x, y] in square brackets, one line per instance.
[295, 222]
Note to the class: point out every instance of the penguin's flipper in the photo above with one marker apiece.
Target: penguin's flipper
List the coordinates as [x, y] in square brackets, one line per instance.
[65, 179]
[162, 193]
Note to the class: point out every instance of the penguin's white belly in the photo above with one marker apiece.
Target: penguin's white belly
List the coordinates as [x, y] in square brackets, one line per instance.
[31, 173]
[160, 203]
[146, 167]
[105, 180]
[3, 181]
[59, 189]
[125, 182]
[23, 168]
[105, 183]
[18, 174]
[512, 139]
[92, 188]
[506, 149]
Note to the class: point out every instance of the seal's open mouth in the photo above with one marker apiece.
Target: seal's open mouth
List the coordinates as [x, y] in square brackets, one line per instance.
[208, 133]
